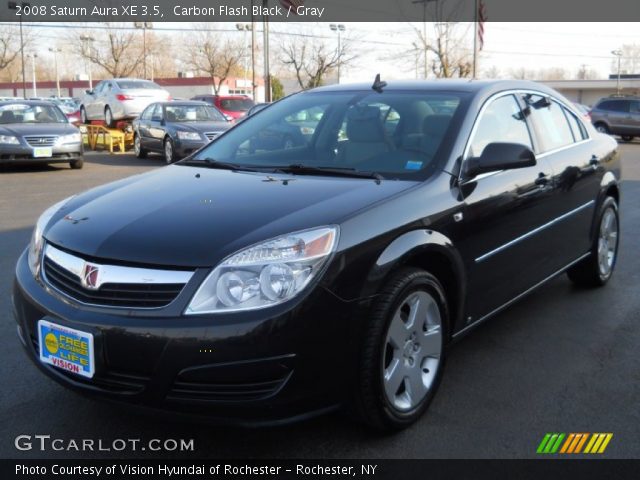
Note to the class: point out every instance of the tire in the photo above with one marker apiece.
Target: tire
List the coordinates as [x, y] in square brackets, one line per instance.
[169, 151]
[602, 128]
[385, 398]
[597, 268]
[83, 116]
[137, 147]
[627, 138]
[108, 117]
[77, 164]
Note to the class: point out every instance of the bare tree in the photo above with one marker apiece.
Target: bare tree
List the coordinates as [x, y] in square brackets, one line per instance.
[10, 68]
[586, 73]
[492, 72]
[312, 60]
[116, 50]
[552, 73]
[630, 61]
[215, 55]
[522, 73]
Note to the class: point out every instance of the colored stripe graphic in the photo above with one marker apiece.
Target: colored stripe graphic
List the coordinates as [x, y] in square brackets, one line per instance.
[573, 443]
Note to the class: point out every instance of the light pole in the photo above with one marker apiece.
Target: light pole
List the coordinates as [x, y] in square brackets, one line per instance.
[424, 30]
[339, 29]
[86, 40]
[144, 26]
[245, 28]
[253, 55]
[14, 6]
[617, 53]
[55, 62]
[33, 72]
[265, 40]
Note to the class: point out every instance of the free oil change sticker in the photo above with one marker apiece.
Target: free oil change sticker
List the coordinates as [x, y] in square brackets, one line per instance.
[66, 348]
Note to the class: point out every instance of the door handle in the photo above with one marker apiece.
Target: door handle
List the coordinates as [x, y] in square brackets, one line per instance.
[542, 180]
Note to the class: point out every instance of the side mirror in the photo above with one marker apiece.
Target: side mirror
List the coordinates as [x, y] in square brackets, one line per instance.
[499, 156]
[88, 91]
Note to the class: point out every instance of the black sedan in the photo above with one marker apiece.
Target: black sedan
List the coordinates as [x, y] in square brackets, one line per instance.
[38, 131]
[288, 282]
[176, 129]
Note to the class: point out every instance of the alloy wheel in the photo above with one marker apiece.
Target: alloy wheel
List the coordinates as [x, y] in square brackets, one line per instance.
[413, 347]
[168, 151]
[136, 145]
[607, 242]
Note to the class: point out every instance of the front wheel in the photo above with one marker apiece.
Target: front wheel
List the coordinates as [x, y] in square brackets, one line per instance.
[627, 138]
[108, 118]
[83, 116]
[403, 351]
[602, 128]
[137, 147]
[169, 151]
[597, 268]
[76, 164]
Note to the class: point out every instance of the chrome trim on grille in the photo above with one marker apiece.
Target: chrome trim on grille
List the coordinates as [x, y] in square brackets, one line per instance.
[41, 140]
[534, 231]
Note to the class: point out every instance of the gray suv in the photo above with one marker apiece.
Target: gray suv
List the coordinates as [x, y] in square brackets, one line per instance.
[617, 116]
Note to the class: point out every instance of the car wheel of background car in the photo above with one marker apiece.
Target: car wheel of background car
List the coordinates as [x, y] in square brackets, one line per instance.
[83, 116]
[169, 155]
[627, 138]
[137, 147]
[108, 117]
[403, 351]
[602, 128]
[597, 268]
[76, 164]
[288, 143]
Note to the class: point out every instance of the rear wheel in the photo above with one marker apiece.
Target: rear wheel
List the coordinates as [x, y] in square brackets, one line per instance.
[137, 147]
[77, 164]
[403, 351]
[602, 128]
[169, 151]
[627, 138]
[108, 117]
[597, 268]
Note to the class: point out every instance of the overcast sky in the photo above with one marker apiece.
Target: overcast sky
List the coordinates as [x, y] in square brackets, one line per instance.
[507, 45]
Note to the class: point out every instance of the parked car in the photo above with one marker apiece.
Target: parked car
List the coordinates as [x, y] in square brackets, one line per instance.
[270, 286]
[617, 116]
[70, 107]
[176, 129]
[38, 131]
[235, 106]
[120, 99]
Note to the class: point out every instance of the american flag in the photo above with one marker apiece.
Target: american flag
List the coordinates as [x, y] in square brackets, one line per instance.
[482, 17]
[293, 4]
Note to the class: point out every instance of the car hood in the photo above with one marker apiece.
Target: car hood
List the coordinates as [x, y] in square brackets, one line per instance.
[202, 127]
[20, 129]
[184, 216]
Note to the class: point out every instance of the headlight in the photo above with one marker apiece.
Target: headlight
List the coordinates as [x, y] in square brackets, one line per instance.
[37, 241]
[71, 138]
[188, 135]
[9, 140]
[266, 274]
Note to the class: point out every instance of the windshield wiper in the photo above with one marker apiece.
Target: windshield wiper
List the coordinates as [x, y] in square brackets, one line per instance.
[298, 169]
[212, 163]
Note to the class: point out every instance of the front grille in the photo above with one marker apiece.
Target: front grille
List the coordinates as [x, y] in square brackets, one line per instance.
[211, 135]
[41, 140]
[134, 295]
[108, 380]
[183, 391]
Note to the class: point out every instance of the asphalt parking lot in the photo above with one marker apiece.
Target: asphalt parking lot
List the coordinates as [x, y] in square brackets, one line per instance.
[561, 360]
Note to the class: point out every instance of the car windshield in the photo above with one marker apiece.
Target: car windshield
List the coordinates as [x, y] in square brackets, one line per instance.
[236, 104]
[137, 84]
[192, 113]
[395, 134]
[23, 113]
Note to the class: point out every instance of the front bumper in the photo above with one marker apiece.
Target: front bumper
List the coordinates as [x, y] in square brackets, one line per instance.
[184, 148]
[257, 367]
[22, 153]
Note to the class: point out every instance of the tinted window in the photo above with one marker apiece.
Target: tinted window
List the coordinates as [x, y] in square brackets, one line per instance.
[192, 113]
[146, 115]
[578, 130]
[615, 105]
[550, 122]
[156, 114]
[130, 84]
[635, 106]
[236, 104]
[342, 130]
[502, 121]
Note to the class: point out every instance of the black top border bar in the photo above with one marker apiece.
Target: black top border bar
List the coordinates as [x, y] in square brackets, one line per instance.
[318, 10]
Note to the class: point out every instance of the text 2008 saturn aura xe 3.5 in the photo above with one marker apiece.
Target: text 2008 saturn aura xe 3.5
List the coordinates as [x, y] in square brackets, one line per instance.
[261, 282]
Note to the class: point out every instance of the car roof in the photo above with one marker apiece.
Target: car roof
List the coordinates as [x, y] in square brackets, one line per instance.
[28, 102]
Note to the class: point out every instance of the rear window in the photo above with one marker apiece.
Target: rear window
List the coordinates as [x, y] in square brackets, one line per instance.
[236, 104]
[138, 84]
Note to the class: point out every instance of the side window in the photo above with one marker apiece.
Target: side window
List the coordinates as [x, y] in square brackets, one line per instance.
[146, 115]
[579, 132]
[550, 123]
[635, 106]
[617, 105]
[501, 121]
[99, 88]
[156, 115]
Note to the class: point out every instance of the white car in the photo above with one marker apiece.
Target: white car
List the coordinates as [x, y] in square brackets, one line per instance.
[120, 99]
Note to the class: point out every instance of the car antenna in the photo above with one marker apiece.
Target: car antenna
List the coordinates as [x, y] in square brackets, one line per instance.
[378, 84]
